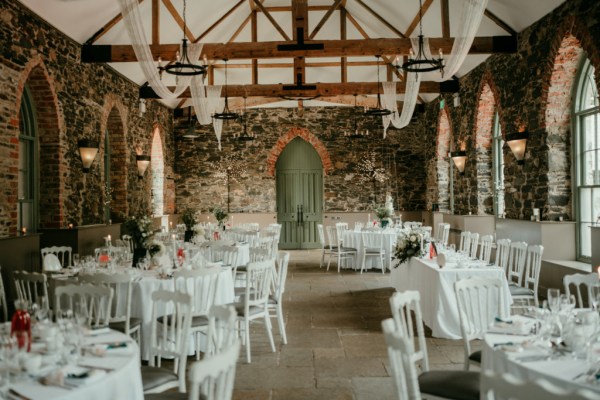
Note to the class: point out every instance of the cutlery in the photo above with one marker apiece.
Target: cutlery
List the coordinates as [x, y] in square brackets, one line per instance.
[107, 369]
[17, 395]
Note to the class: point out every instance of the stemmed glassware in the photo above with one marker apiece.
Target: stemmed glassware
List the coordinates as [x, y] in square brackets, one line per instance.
[554, 300]
[595, 296]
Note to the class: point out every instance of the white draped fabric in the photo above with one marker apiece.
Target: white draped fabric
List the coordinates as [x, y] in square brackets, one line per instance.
[139, 41]
[207, 101]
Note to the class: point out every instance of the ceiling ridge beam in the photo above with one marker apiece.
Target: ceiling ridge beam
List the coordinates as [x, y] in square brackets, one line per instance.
[381, 19]
[175, 14]
[107, 27]
[218, 22]
[323, 20]
[272, 20]
[413, 25]
[269, 50]
[445, 15]
[499, 22]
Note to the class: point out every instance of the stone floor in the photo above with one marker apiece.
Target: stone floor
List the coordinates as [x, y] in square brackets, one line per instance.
[335, 347]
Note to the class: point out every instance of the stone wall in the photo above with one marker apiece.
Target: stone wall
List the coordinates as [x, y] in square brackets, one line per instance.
[198, 159]
[523, 87]
[72, 101]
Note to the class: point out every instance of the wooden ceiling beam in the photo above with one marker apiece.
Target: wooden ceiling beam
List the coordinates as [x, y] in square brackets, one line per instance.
[415, 22]
[380, 18]
[317, 64]
[175, 14]
[332, 48]
[334, 6]
[272, 20]
[155, 22]
[240, 28]
[445, 19]
[322, 89]
[254, 37]
[107, 27]
[218, 22]
[300, 34]
[499, 22]
[343, 36]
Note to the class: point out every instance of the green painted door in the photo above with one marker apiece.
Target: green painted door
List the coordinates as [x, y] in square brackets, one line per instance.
[299, 173]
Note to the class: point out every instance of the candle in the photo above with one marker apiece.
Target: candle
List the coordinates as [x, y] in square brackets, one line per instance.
[109, 238]
[598, 269]
[170, 225]
[24, 231]
[70, 226]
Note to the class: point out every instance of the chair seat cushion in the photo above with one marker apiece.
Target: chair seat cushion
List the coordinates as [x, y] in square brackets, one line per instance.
[457, 385]
[197, 320]
[253, 310]
[167, 396]
[476, 356]
[375, 251]
[120, 326]
[347, 249]
[330, 247]
[520, 291]
[153, 377]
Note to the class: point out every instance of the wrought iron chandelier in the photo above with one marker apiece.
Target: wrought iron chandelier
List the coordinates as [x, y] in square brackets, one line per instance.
[420, 63]
[226, 114]
[190, 132]
[182, 66]
[378, 111]
[356, 134]
[245, 136]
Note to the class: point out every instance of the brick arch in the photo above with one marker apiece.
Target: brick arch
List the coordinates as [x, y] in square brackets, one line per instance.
[114, 120]
[157, 167]
[487, 104]
[444, 138]
[51, 143]
[306, 135]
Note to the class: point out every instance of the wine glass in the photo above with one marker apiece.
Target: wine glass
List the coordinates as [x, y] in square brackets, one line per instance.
[82, 313]
[595, 293]
[554, 299]
[76, 260]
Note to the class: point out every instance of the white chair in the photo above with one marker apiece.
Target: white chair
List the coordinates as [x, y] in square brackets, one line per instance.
[228, 255]
[168, 339]
[502, 251]
[372, 247]
[201, 285]
[255, 301]
[485, 251]
[473, 244]
[51, 263]
[213, 377]
[506, 386]
[97, 300]
[465, 241]
[129, 242]
[479, 302]
[325, 247]
[120, 315]
[411, 385]
[222, 332]
[516, 263]
[30, 286]
[340, 228]
[340, 252]
[529, 291]
[443, 233]
[403, 305]
[62, 253]
[276, 299]
[3, 299]
[579, 280]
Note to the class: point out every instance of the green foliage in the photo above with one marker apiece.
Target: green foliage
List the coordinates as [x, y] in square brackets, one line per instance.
[220, 214]
[189, 218]
[382, 212]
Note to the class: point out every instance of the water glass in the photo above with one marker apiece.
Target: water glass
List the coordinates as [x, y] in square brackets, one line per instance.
[76, 260]
[595, 293]
[554, 300]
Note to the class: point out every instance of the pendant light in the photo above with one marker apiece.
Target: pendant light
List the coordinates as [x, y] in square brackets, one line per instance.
[183, 66]
[356, 134]
[226, 114]
[190, 132]
[378, 111]
[245, 136]
[420, 63]
[517, 142]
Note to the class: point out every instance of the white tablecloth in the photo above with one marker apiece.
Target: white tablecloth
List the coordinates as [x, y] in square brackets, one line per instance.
[354, 239]
[528, 363]
[436, 286]
[141, 299]
[123, 379]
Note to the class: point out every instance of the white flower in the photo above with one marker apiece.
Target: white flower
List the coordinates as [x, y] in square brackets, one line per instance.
[413, 238]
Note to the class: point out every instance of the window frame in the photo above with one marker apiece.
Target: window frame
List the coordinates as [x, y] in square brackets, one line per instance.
[28, 133]
[498, 165]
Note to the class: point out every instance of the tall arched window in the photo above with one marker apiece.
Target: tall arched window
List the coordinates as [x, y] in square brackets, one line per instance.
[158, 174]
[498, 166]
[27, 210]
[587, 156]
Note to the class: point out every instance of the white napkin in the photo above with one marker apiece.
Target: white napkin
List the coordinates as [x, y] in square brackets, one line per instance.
[441, 260]
[77, 376]
[511, 327]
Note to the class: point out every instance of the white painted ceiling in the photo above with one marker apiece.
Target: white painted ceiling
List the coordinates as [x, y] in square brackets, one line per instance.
[81, 19]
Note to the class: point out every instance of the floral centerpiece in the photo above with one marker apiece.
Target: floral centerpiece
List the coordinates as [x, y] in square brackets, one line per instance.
[409, 245]
[140, 230]
[383, 214]
[199, 233]
[220, 215]
[189, 219]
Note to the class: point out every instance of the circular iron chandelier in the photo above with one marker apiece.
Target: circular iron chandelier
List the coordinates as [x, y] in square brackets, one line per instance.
[419, 62]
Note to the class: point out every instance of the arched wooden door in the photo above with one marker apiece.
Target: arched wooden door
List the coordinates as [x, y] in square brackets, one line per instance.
[299, 175]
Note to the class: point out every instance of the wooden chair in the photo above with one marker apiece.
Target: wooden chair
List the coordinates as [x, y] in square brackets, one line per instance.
[502, 251]
[30, 286]
[581, 280]
[403, 305]
[326, 248]
[485, 251]
[98, 301]
[221, 333]
[516, 263]
[63, 253]
[372, 247]
[339, 251]
[276, 298]
[528, 292]
[473, 244]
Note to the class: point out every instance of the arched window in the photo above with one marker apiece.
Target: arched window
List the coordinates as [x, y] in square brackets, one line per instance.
[27, 210]
[158, 174]
[498, 167]
[445, 175]
[587, 156]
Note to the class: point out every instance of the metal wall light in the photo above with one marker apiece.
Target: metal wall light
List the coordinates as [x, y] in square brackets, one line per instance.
[518, 144]
[460, 159]
[142, 162]
[87, 151]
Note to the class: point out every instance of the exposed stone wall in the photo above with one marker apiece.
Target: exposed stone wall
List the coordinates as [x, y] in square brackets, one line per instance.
[323, 128]
[523, 85]
[72, 101]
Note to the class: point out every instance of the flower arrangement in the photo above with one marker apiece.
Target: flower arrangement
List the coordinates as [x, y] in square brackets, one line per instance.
[409, 245]
[140, 230]
[156, 248]
[220, 215]
[189, 218]
[382, 213]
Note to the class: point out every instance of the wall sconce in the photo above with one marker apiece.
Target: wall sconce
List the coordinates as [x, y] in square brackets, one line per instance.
[142, 162]
[87, 151]
[460, 159]
[518, 144]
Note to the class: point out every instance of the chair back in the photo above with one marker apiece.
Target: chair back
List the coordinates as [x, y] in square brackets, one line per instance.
[97, 300]
[507, 386]
[121, 284]
[502, 251]
[213, 377]
[473, 244]
[516, 262]
[270, 242]
[403, 369]
[51, 263]
[258, 284]
[465, 237]
[426, 231]
[30, 285]
[340, 227]
[228, 255]
[443, 233]
[533, 266]
[259, 254]
[372, 241]
[62, 253]
[402, 305]
[579, 280]
[170, 339]
[321, 236]
[486, 248]
[332, 236]
[222, 331]
[3, 299]
[282, 261]
[200, 284]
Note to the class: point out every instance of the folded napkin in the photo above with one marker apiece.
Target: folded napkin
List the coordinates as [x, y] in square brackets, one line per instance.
[441, 260]
[77, 376]
[511, 327]
[110, 348]
[97, 331]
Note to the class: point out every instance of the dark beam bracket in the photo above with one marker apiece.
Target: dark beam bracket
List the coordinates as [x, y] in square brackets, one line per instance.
[449, 86]
[97, 53]
[300, 45]
[504, 44]
[146, 92]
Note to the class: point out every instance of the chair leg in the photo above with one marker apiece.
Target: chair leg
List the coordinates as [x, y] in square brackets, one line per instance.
[322, 259]
[339, 260]
[362, 264]
[281, 323]
[247, 340]
[329, 261]
[382, 265]
[269, 330]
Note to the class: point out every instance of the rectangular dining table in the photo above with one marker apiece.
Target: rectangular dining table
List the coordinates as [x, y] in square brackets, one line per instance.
[436, 286]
